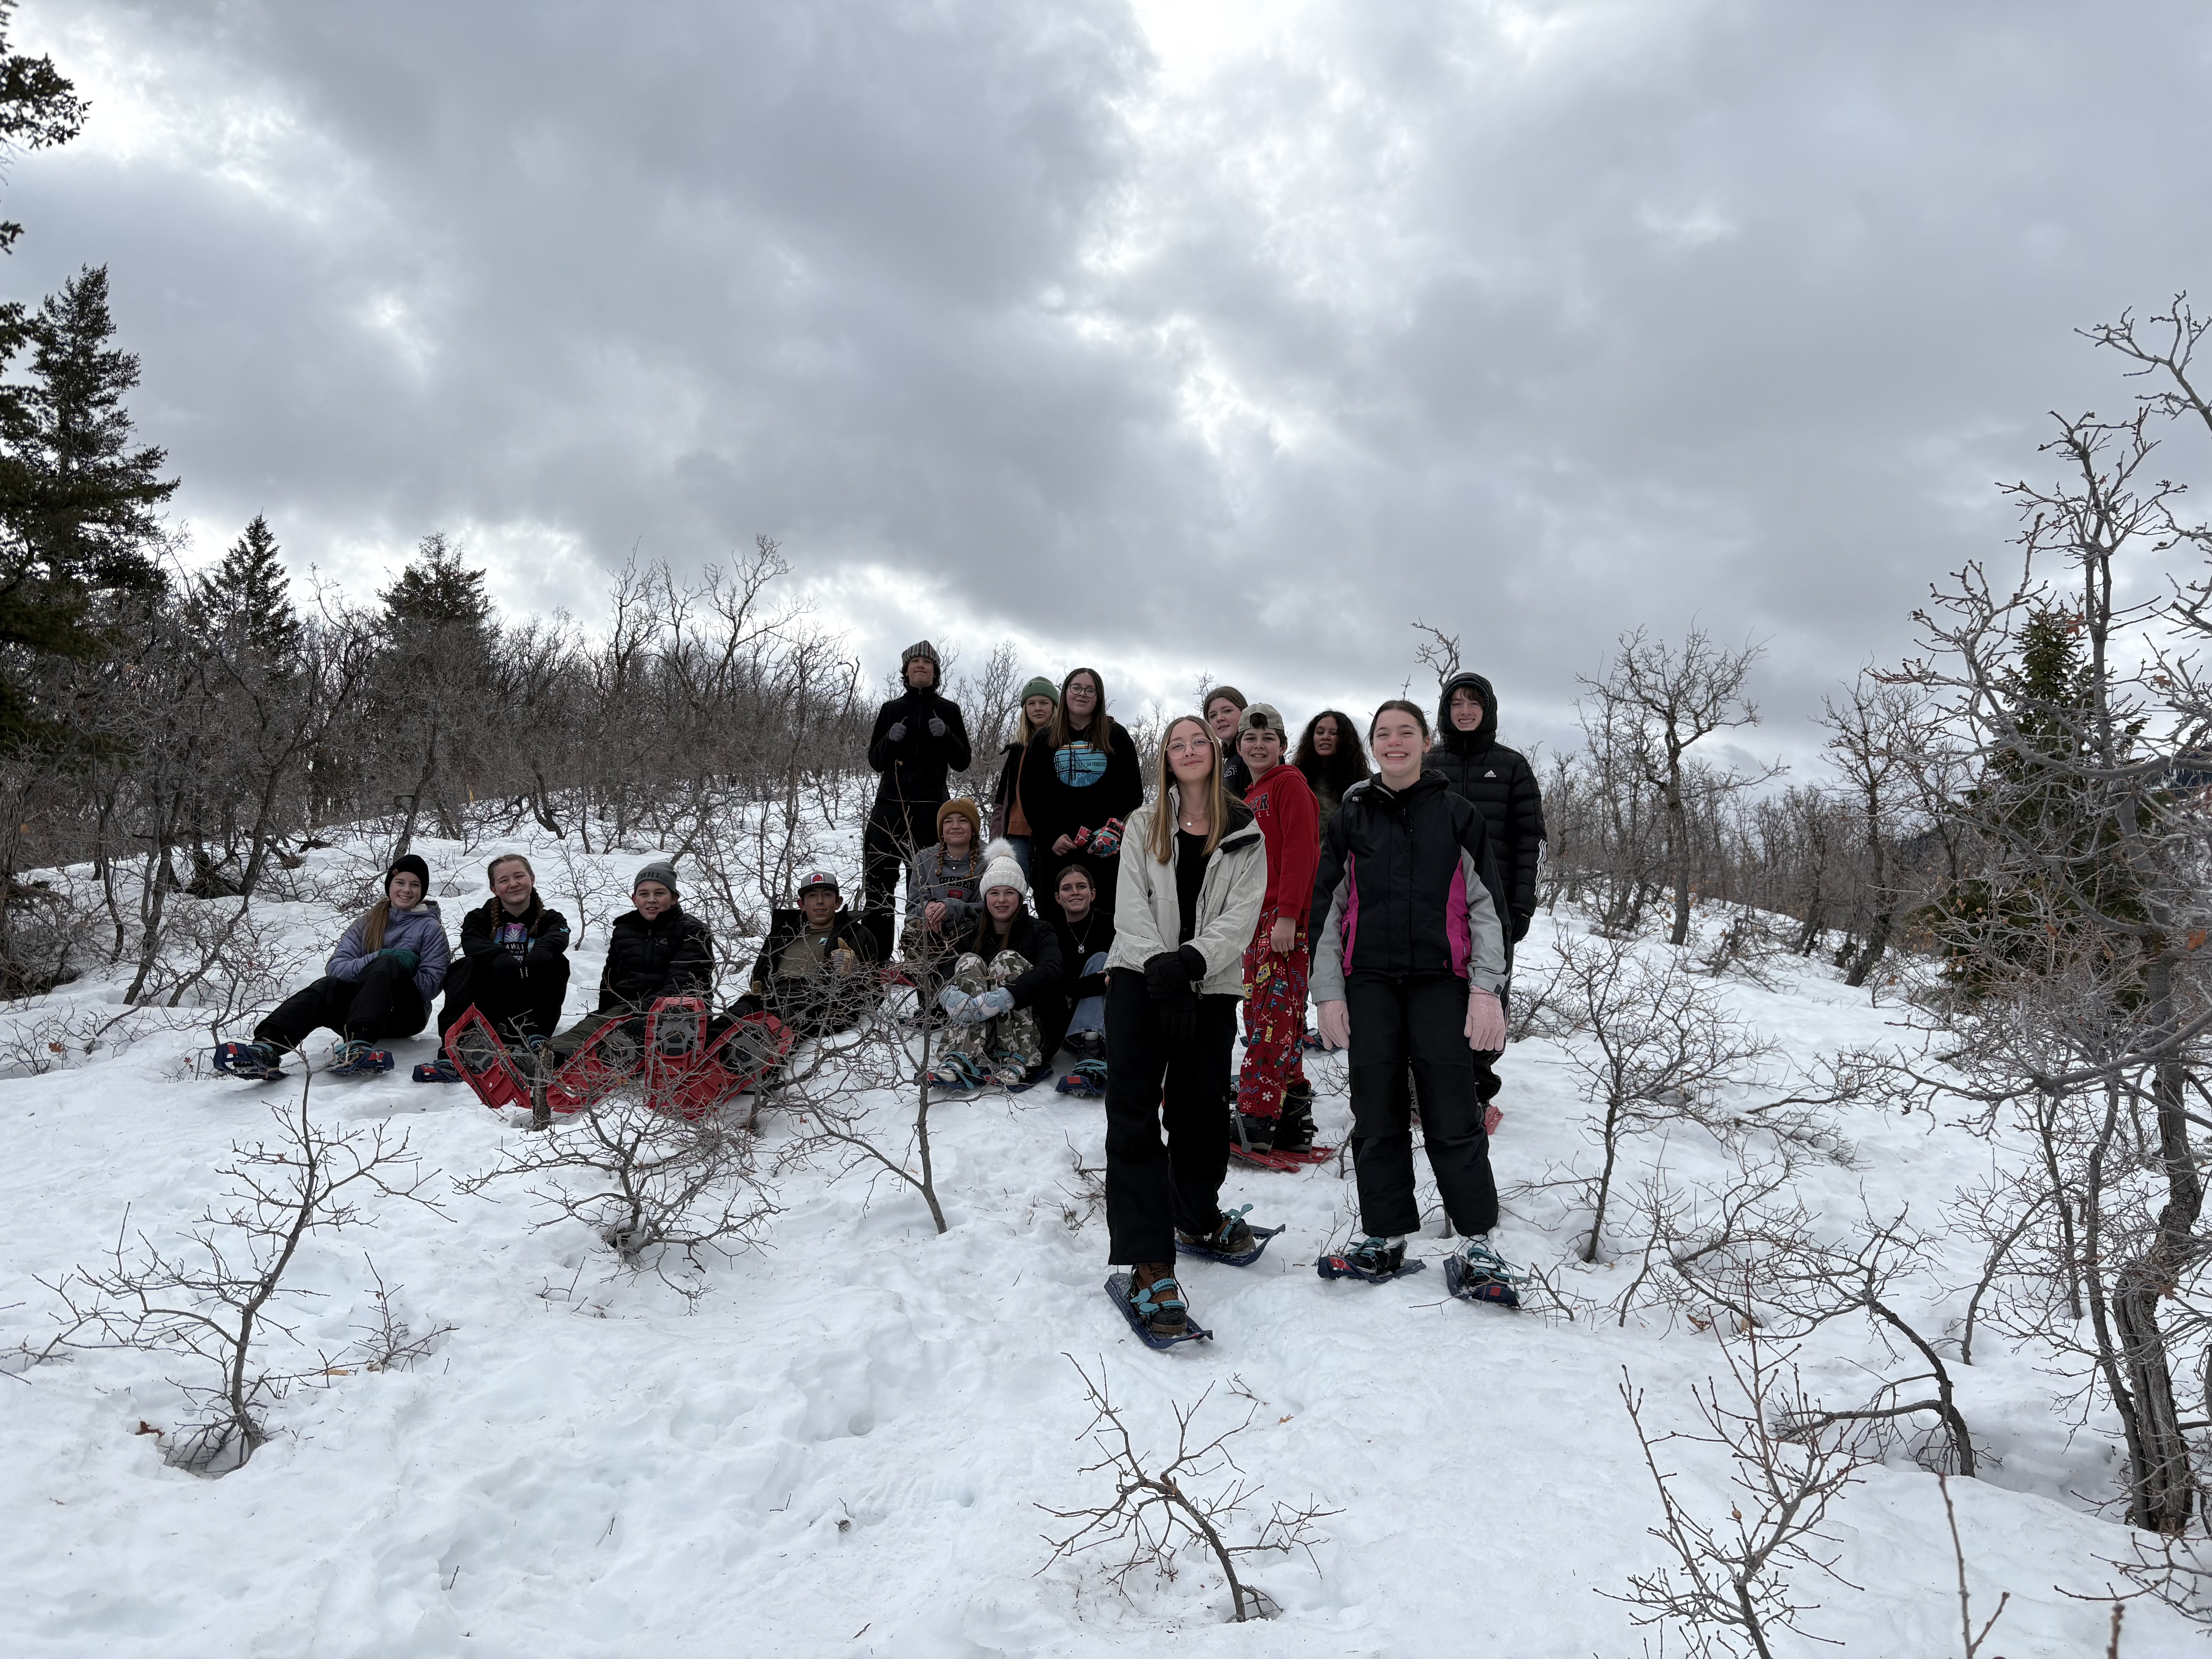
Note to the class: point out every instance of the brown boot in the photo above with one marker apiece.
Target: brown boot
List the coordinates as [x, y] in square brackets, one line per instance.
[1158, 1298]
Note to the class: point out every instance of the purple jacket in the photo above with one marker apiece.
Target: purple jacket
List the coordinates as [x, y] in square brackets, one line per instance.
[421, 930]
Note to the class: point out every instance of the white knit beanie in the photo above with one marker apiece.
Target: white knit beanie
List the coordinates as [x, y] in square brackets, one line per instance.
[1001, 869]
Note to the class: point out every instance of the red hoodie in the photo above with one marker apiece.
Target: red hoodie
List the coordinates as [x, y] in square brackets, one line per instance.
[1289, 824]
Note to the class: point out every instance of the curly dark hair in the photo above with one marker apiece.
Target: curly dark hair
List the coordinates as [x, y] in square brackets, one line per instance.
[1347, 767]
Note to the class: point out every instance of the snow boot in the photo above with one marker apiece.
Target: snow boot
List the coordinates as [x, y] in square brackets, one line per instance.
[354, 1058]
[1294, 1130]
[1231, 1235]
[1086, 1045]
[957, 1073]
[1254, 1134]
[1476, 1272]
[1374, 1260]
[256, 1063]
[1157, 1300]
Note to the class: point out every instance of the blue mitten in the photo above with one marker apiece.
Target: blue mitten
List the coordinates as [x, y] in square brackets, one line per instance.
[954, 1001]
[992, 1004]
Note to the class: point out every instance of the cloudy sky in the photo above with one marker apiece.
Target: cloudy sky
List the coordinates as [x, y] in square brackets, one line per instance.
[1171, 336]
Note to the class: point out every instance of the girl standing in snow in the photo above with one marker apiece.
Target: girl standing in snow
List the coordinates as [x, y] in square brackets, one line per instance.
[1332, 760]
[1274, 1105]
[1081, 779]
[1008, 822]
[1005, 999]
[377, 985]
[1192, 887]
[1407, 961]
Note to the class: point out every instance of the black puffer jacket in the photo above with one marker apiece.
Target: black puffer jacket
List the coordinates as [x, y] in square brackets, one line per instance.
[1407, 886]
[1501, 782]
[671, 956]
[915, 766]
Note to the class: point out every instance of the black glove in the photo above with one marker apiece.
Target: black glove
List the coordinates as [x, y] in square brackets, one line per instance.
[1167, 976]
[1163, 974]
[936, 726]
[897, 733]
[1521, 927]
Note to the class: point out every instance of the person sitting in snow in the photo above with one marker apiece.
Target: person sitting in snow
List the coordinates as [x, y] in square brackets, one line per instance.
[654, 951]
[513, 965]
[1004, 1004]
[942, 898]
[815, 971]
[377, 985]
[1085, 934]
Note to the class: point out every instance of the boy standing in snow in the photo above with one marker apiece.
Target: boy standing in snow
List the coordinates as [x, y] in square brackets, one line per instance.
[918, 738]
[1274, 1104]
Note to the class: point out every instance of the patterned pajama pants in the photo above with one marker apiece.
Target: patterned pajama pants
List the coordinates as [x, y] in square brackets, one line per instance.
[1014, 1034]
[1274, 1023]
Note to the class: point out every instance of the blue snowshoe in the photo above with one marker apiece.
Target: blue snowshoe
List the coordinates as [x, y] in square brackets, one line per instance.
[256, 1063]
[354, 1058]
[1157, 1313]
[441, 1070]
[1375, 1259]
[1475, 1272]
[1234, 1240]
[1087, 1080]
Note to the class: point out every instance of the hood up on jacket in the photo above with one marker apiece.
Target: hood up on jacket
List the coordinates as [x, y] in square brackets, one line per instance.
[1449, 735]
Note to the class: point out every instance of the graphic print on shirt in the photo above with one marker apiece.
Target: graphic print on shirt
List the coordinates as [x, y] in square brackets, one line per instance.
[1079, 764]
[514, 938]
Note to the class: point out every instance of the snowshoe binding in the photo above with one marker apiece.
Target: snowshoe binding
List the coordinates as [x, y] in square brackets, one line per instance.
[608, 1059]
[441, 1070]
[1233, 1240]
[255, 1062]
[1087, 1081]
[1254, 1134]
[354, 1058]
[734, 1061]
[956, 1074]
[1375, 1259]
[1475, 1272]
[1157, 1312]
[481, 1061]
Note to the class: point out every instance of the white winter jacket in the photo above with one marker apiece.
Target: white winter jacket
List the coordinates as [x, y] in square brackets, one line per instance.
[1146, 918]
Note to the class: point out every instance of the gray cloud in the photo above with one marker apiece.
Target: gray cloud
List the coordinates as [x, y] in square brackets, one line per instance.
[1174, 351]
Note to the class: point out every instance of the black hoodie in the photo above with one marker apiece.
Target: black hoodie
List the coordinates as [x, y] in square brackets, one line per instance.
[1502, 785]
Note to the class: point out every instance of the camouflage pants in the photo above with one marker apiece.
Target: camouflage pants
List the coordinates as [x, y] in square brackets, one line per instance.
[1014, 1033]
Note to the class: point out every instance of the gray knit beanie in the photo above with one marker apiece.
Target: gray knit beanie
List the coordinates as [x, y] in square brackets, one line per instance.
[660, 870]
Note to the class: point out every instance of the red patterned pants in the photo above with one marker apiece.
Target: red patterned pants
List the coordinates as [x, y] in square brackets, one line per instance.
[1274, 1023]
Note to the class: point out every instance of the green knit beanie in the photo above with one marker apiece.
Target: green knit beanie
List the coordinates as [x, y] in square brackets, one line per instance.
[1040, 687]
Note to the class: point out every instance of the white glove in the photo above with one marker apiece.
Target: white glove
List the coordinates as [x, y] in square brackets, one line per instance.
[1485, 1021]
[1335, 1022]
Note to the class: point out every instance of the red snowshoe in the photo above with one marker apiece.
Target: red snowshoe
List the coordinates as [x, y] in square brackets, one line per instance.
[690, 1080]
[595, 1070]
[484, 1064]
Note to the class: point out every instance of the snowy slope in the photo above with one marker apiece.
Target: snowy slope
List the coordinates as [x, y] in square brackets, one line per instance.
[838, 1448]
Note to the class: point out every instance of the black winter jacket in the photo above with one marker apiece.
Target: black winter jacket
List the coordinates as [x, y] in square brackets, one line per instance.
[914, 768]
[671, 956]
[1235, 776]
[1501, 782]
[483, 953]
[1038, 987]
[1055, 807]
[1407, 906]
[1096, 932]
[784, 925]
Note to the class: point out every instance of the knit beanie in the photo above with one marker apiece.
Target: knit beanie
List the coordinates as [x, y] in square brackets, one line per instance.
[407, 864]
[660, 870]
[1040, 687]
[962, 808]
[1000, 869]
[926, 652]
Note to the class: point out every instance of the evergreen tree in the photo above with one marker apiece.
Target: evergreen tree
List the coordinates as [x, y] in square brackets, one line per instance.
[437, 591]
[250, 592]
[39, 108]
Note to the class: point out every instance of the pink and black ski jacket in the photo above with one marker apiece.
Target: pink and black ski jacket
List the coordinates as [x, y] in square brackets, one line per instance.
[1407, 886]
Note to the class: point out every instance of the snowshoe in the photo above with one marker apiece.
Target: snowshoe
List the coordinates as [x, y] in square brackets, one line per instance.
[1282, 1162]
[1162, 1302]
[354, 1058]
[1254, 1134]
[1017, 1076]
[1475, 1272]
[441, 1070]
[608, 1059]
[1374, 1260]
[1087, 1080]
[481, 1061]
[956, 1073]
[734, 1062]
[255, 1062]
[1233, 1241]
[1085, 1045]
[1314, 1041]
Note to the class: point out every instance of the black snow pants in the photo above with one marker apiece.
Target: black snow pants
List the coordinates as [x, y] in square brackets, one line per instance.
[382, 1002]
[1419, 1019]
[1155, 1186]
[896, 830]
[516, 1006]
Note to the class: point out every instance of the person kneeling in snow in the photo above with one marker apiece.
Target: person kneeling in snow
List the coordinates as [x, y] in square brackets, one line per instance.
[513, 965]
[654, 950]
[1005, 1000]
[377, 985]
[815, 971]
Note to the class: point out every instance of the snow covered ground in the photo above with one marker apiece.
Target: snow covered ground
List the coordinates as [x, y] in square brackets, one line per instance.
[838, 1448]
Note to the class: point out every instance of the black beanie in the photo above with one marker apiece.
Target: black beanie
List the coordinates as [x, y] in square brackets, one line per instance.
[407, 864]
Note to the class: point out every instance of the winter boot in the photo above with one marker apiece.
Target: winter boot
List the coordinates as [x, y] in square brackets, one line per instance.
[352, 1057]
[1231, 1235]
[956, 1073]
[1157, 1299]
[256, 1062]
[1254, 1134]
[1294, 1130]
[1377, 1257]
[1476, 1272]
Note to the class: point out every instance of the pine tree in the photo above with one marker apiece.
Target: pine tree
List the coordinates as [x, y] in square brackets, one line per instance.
[250, 594]
[437, 591]
[39, 108]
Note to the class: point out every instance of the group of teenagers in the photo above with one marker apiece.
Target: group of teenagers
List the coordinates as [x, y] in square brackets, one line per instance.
[1387, 880]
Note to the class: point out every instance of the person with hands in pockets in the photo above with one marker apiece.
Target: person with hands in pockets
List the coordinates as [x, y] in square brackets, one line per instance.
[1194, 873]
[1409, 952]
